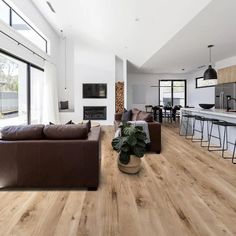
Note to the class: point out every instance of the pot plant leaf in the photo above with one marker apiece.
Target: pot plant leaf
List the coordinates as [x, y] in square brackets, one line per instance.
[124, 157]
[117, 143]
[139, 151]
[129, 130]
[130, 142]
[141, 144]
[141, 136]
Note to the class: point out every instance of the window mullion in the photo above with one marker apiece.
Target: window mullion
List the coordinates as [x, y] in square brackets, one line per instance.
[10, 17]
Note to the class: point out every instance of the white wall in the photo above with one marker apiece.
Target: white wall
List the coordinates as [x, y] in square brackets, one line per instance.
[148, 91]
[198, 95]
[66, 90]
[125, 76]
[119, 69]
[146, 87]
[92, 64]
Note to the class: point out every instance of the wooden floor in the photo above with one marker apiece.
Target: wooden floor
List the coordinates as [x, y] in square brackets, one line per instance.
[183, 191]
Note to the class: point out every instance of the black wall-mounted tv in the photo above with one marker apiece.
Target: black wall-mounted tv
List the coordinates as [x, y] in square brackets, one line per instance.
[94, 90]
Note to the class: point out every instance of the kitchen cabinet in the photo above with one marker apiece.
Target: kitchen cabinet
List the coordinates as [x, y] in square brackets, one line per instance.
[227, 75]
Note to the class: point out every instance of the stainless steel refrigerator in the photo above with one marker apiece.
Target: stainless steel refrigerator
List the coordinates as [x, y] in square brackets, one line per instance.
[221, 93]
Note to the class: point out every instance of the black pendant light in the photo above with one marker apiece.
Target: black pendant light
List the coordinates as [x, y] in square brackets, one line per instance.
[210, 73]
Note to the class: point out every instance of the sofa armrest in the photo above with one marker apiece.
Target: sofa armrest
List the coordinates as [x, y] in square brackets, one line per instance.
[118, 116]
[155, 136]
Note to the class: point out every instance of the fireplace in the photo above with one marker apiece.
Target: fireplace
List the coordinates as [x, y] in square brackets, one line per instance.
[95, 113]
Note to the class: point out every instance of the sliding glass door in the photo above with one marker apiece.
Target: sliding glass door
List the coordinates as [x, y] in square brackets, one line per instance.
[36, 95]
[21, 91]
[179, 93]
[172, 92]
[13, 91]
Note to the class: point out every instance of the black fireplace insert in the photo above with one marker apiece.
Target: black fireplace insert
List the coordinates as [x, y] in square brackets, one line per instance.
[95, 113]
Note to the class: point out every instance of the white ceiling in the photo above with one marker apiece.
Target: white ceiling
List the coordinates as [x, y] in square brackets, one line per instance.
[216, 24]
[132, 29]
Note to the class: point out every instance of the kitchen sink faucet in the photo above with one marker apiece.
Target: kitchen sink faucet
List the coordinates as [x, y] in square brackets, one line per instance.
[229, 98]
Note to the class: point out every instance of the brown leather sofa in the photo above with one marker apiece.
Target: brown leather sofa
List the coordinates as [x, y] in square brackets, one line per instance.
[50, 163]
[153, 126]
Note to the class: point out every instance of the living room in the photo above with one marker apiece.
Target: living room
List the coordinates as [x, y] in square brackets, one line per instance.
[117, 117]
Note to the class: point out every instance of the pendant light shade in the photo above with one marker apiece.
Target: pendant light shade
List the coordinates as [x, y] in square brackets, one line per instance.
[210, 73]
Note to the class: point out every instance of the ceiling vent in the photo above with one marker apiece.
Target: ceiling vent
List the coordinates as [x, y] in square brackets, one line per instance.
[51, 7]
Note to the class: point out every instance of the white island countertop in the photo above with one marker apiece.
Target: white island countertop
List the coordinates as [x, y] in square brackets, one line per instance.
[212, 112]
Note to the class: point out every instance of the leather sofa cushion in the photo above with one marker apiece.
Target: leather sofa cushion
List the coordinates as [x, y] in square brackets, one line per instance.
[65, 132]
[135, 113]
[126, 116]
[70, 122]
[145, 116]
[141, 115]
[23, 132]
[88, 125]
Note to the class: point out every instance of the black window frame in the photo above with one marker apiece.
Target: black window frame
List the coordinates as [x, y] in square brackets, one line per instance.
[172, 89]
[199, 87]
[29, 65]
[10, 24]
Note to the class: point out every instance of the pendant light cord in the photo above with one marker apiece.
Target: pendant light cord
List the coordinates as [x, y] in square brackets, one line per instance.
[210, 46]
[65, 60]
[65, 64]
[210, 54]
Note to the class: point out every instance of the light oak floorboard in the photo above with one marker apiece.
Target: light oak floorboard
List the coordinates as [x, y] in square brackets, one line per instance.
[185, 190]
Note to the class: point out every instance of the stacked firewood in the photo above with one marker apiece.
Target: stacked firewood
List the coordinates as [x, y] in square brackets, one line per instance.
[119, 97]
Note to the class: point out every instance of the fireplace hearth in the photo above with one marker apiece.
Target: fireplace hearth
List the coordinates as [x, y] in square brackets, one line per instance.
[95, 113]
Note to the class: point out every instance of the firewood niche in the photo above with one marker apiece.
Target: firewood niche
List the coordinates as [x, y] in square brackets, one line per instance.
[119, 97]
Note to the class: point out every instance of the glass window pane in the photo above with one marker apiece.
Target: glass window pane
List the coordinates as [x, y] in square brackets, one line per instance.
[36, 84]
[178, 83]
[165, 83]
[179, 94]
[4, 12]
[23, 28]
[13, 91]
[165, 96]
[175, 94]
[205, 83]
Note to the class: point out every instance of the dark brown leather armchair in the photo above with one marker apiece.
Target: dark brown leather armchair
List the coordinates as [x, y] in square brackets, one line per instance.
[154, 132]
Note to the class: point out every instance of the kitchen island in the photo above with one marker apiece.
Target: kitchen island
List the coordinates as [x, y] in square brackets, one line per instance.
[219, 114]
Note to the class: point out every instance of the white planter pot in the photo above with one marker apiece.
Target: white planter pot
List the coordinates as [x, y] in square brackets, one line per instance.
[132, 167]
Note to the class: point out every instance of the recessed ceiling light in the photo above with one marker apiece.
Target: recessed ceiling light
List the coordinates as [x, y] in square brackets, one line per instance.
[51, 7]
[137, 19]
[183, 69]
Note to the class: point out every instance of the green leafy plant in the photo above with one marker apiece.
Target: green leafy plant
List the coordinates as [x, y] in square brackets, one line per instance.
[130, 142]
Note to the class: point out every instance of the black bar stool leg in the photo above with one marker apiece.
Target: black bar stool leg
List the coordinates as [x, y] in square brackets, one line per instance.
[225, 142]
[202, 137]
[219, 135]
[186, 132]
[209, 142]
[234, 153]
[181, 125]
[193, 133]
[219, 148]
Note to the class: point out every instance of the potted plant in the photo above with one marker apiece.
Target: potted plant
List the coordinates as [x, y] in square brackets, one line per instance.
[131, 146]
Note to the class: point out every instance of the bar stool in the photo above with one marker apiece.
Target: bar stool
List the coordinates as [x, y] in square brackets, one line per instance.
[233, 156]
[201, 131]
[202, 121]
[223, 148]
[186, 128]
